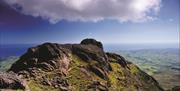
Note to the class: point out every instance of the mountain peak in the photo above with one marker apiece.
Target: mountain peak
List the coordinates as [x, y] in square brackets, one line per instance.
[84, 66]
[92, 42]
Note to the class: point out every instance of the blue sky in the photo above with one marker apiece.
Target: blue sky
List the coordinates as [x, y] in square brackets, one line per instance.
[26, 28]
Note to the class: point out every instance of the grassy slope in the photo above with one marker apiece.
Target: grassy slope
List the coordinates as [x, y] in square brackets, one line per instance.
[121, 79]
[128, 80]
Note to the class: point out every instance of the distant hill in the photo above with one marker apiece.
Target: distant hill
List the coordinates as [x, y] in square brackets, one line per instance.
[163, 64]
[5, 63]
[75, 67]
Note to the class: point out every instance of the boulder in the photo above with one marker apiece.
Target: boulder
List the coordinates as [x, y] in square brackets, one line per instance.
[96, 85]
[92, 42]
[98, 71]
[12, 81]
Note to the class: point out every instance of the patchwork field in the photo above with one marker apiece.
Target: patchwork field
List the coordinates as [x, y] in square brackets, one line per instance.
[162, 64]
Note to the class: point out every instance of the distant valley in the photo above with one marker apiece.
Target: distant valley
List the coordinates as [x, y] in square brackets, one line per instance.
[162, 64]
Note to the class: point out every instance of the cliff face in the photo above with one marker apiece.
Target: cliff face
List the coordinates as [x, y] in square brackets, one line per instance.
[80, 67]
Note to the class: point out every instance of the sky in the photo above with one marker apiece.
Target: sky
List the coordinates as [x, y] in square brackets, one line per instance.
[70, 21]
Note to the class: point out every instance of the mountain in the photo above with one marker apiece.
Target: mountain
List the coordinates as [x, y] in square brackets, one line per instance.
[75, 67]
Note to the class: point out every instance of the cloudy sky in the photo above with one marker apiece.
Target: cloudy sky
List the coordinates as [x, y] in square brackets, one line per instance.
[110, 21]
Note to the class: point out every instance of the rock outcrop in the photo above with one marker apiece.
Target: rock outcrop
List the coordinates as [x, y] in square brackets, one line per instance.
[92, 42]
[12, 81]
[84, 66]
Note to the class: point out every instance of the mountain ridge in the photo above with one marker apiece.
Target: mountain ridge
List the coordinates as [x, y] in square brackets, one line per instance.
[84, 66]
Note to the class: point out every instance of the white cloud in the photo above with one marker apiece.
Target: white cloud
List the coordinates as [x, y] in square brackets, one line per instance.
[89, 10]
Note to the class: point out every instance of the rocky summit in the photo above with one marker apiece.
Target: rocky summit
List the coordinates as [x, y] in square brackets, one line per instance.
[78, 67]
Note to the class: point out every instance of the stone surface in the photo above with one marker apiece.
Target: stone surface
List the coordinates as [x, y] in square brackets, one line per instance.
[92, 42]
[12, 81]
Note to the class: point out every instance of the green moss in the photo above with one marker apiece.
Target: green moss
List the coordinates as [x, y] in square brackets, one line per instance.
[76, 61]
[80, 80]
[77, 79]
[113, 75]
[134, 69]
[112, 78]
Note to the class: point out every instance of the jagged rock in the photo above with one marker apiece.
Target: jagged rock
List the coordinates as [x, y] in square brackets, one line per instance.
[119, 59]
[63, 88]
[99, 72]
[45, 66]
[12, 81]
[46, 81]
[92, 42]
[96, 85]
[92, 53]
[83, 56]
[84, 70]
[46, 57]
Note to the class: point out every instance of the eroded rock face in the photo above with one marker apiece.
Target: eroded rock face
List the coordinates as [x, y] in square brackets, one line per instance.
[84, 66]
[45, 57]
[90, 54]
